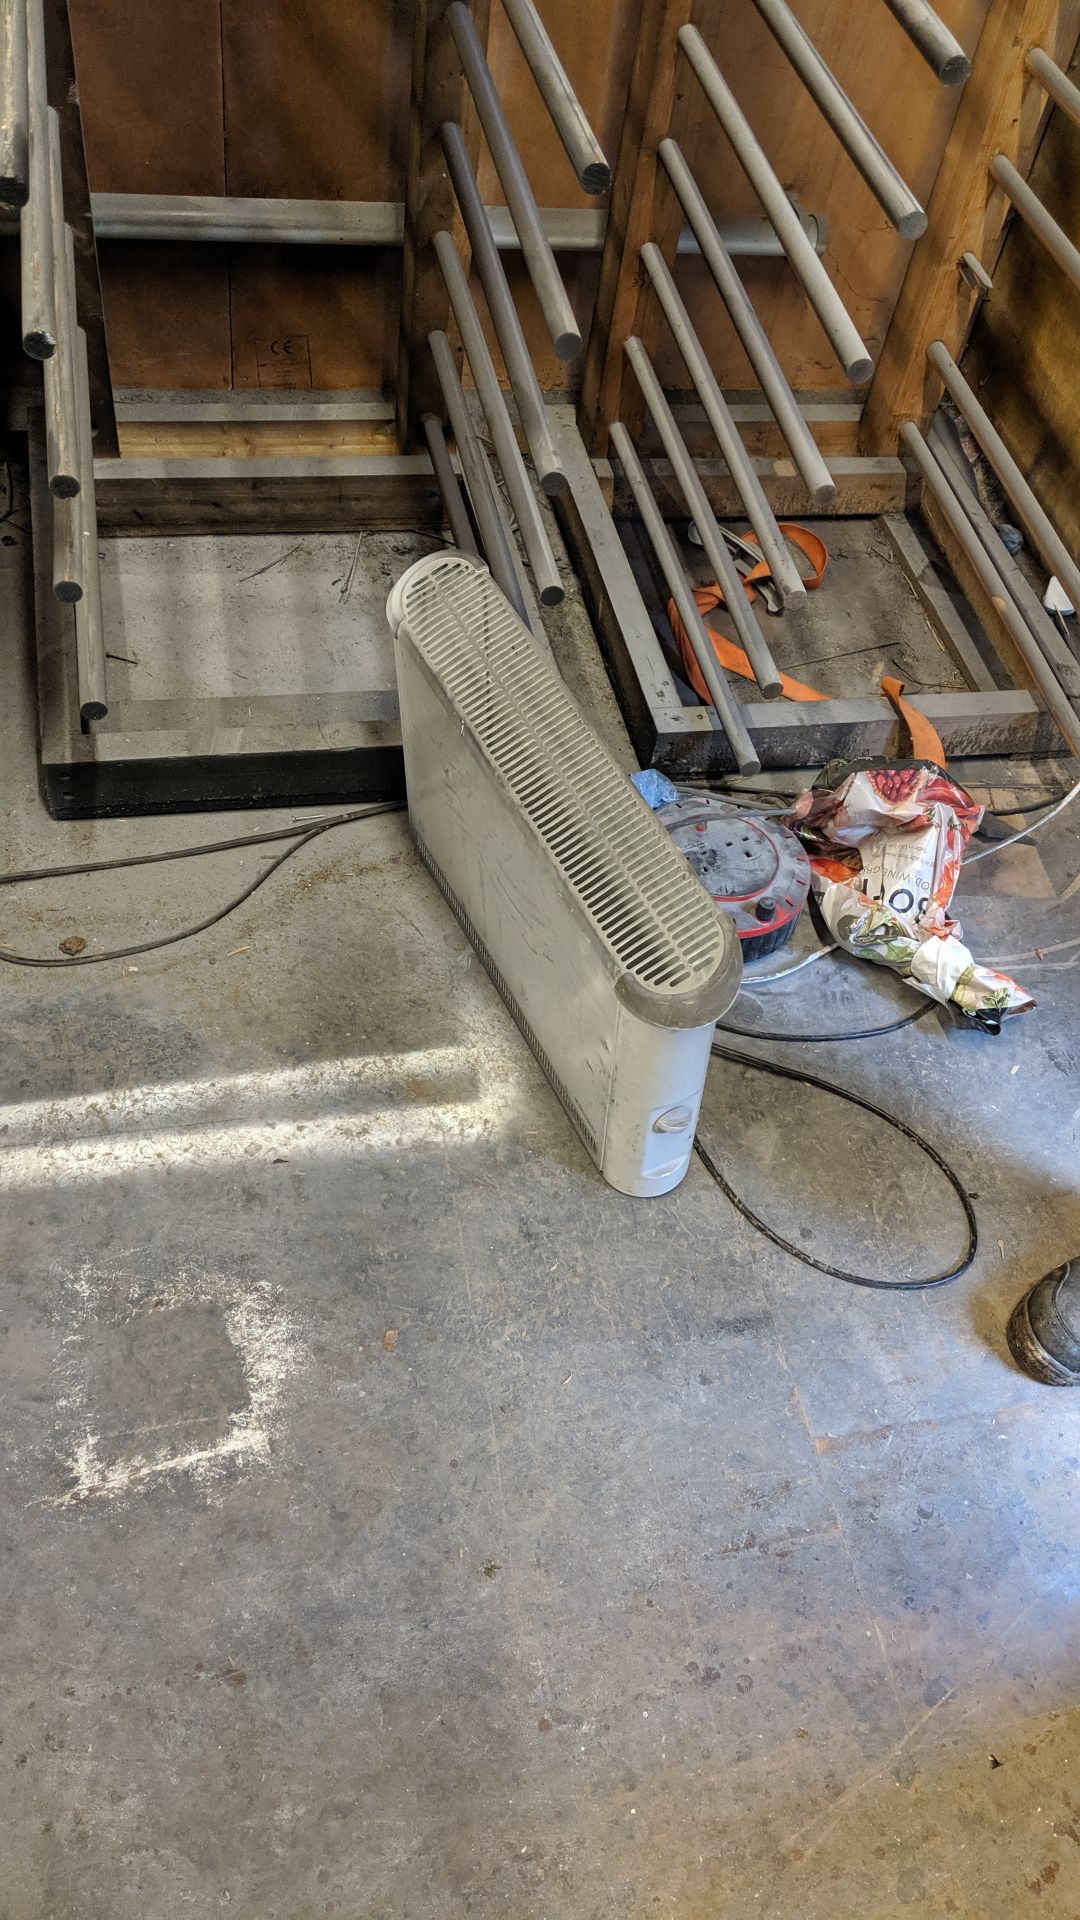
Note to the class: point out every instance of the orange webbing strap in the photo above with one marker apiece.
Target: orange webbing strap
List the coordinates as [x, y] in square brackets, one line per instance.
[925, 739]
[729, 655]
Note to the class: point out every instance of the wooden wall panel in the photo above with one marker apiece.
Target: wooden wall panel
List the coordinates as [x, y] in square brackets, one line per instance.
[313, 317]
[1025, 352]
[167, 312]
[151, 95]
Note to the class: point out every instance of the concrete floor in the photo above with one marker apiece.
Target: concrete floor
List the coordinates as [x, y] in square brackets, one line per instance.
[398, 1524]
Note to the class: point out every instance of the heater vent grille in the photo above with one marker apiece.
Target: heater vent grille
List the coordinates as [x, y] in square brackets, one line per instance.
[658, 923]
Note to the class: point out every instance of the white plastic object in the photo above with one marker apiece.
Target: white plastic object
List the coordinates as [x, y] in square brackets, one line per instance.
[1056, 600]
[607, 950]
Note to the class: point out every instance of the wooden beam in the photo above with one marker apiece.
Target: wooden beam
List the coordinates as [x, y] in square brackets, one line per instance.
[266, 496]
[1003, 109]
[862, 487]
[64, 96]
[438, 92]
[661, 97]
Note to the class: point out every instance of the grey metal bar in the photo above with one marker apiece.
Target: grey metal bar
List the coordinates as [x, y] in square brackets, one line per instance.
[518, 361]
[61, 435]
[449, 486]
[89, 630]
[990, 580]
[583, 149]
[544, 274]
[36, 244]
[507, 452]
[1055, 83]
[1033, 517]
[233, 221]
[786, 410]
[885, 182]
[14, 105]
[532, 615]
[842, 333]
[697, 505]
[724, 701]
[1056, 652]
[739, 464]
[492, 537]
[1031, 209]
[939, 48]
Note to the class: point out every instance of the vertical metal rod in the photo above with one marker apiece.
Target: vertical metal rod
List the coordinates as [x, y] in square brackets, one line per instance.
[1031, 209]
[1033, 517]
[842, 333]
[724, 701]
[583, 149]
[492, 537]
[507, 452]
[939, 48]
[532, 411]
[751, 492]
[697, 505]
[990, 581]
[544, 274]
[773, 381]
[1055, 83]
[61, 445]
[457, 516]
[35, 222]
[865, 151]
[14, 105]
[89, 629]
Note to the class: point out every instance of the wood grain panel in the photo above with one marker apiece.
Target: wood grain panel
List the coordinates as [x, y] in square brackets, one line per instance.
[150, 90]
[167, 314]
[1025, 350]
[318, 317]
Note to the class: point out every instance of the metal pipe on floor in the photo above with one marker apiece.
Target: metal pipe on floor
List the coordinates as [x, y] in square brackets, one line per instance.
[774, 548]
[697, 506]
[568, 117]
[862, 147]
[842, 333]
[508, 329]
[507, 452]
[939, 48]
[89, 629]
[61, 432]
[544, 274]
[1054, 83]
[721, 695]
[36, 256]
[1032, 516]
[992, 584]
[14, 105]
[1031, 210]
[756, 343]
[492, 537]
[457, 517]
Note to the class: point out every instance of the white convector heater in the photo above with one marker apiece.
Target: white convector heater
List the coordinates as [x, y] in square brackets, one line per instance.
[605, 947]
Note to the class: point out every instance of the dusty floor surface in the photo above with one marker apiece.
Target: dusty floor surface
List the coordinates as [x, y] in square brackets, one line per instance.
[398, 1524]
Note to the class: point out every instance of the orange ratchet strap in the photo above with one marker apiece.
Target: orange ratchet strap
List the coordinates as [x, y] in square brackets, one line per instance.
[729, 655]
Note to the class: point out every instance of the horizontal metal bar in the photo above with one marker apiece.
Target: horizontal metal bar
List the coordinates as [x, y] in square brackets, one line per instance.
[1030, 513]
[939, 48]
[232, 221]
[862, 147]
[582, 148]
[992, 584]
[61, 436]
[755, 340]
[547, 281]
[1031, 210]
[839, 327]
[726, 705]
[504, 440]
[1055, 83]
[14, 105]
[532, 410]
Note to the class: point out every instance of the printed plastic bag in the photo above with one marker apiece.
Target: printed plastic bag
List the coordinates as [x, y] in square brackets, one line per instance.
[886, 845]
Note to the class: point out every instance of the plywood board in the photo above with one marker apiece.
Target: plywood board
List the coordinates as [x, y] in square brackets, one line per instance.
[167, 314]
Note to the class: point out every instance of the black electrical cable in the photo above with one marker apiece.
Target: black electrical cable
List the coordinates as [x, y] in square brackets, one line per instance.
[899, 1126]
[300, 838]
[828, 1039]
